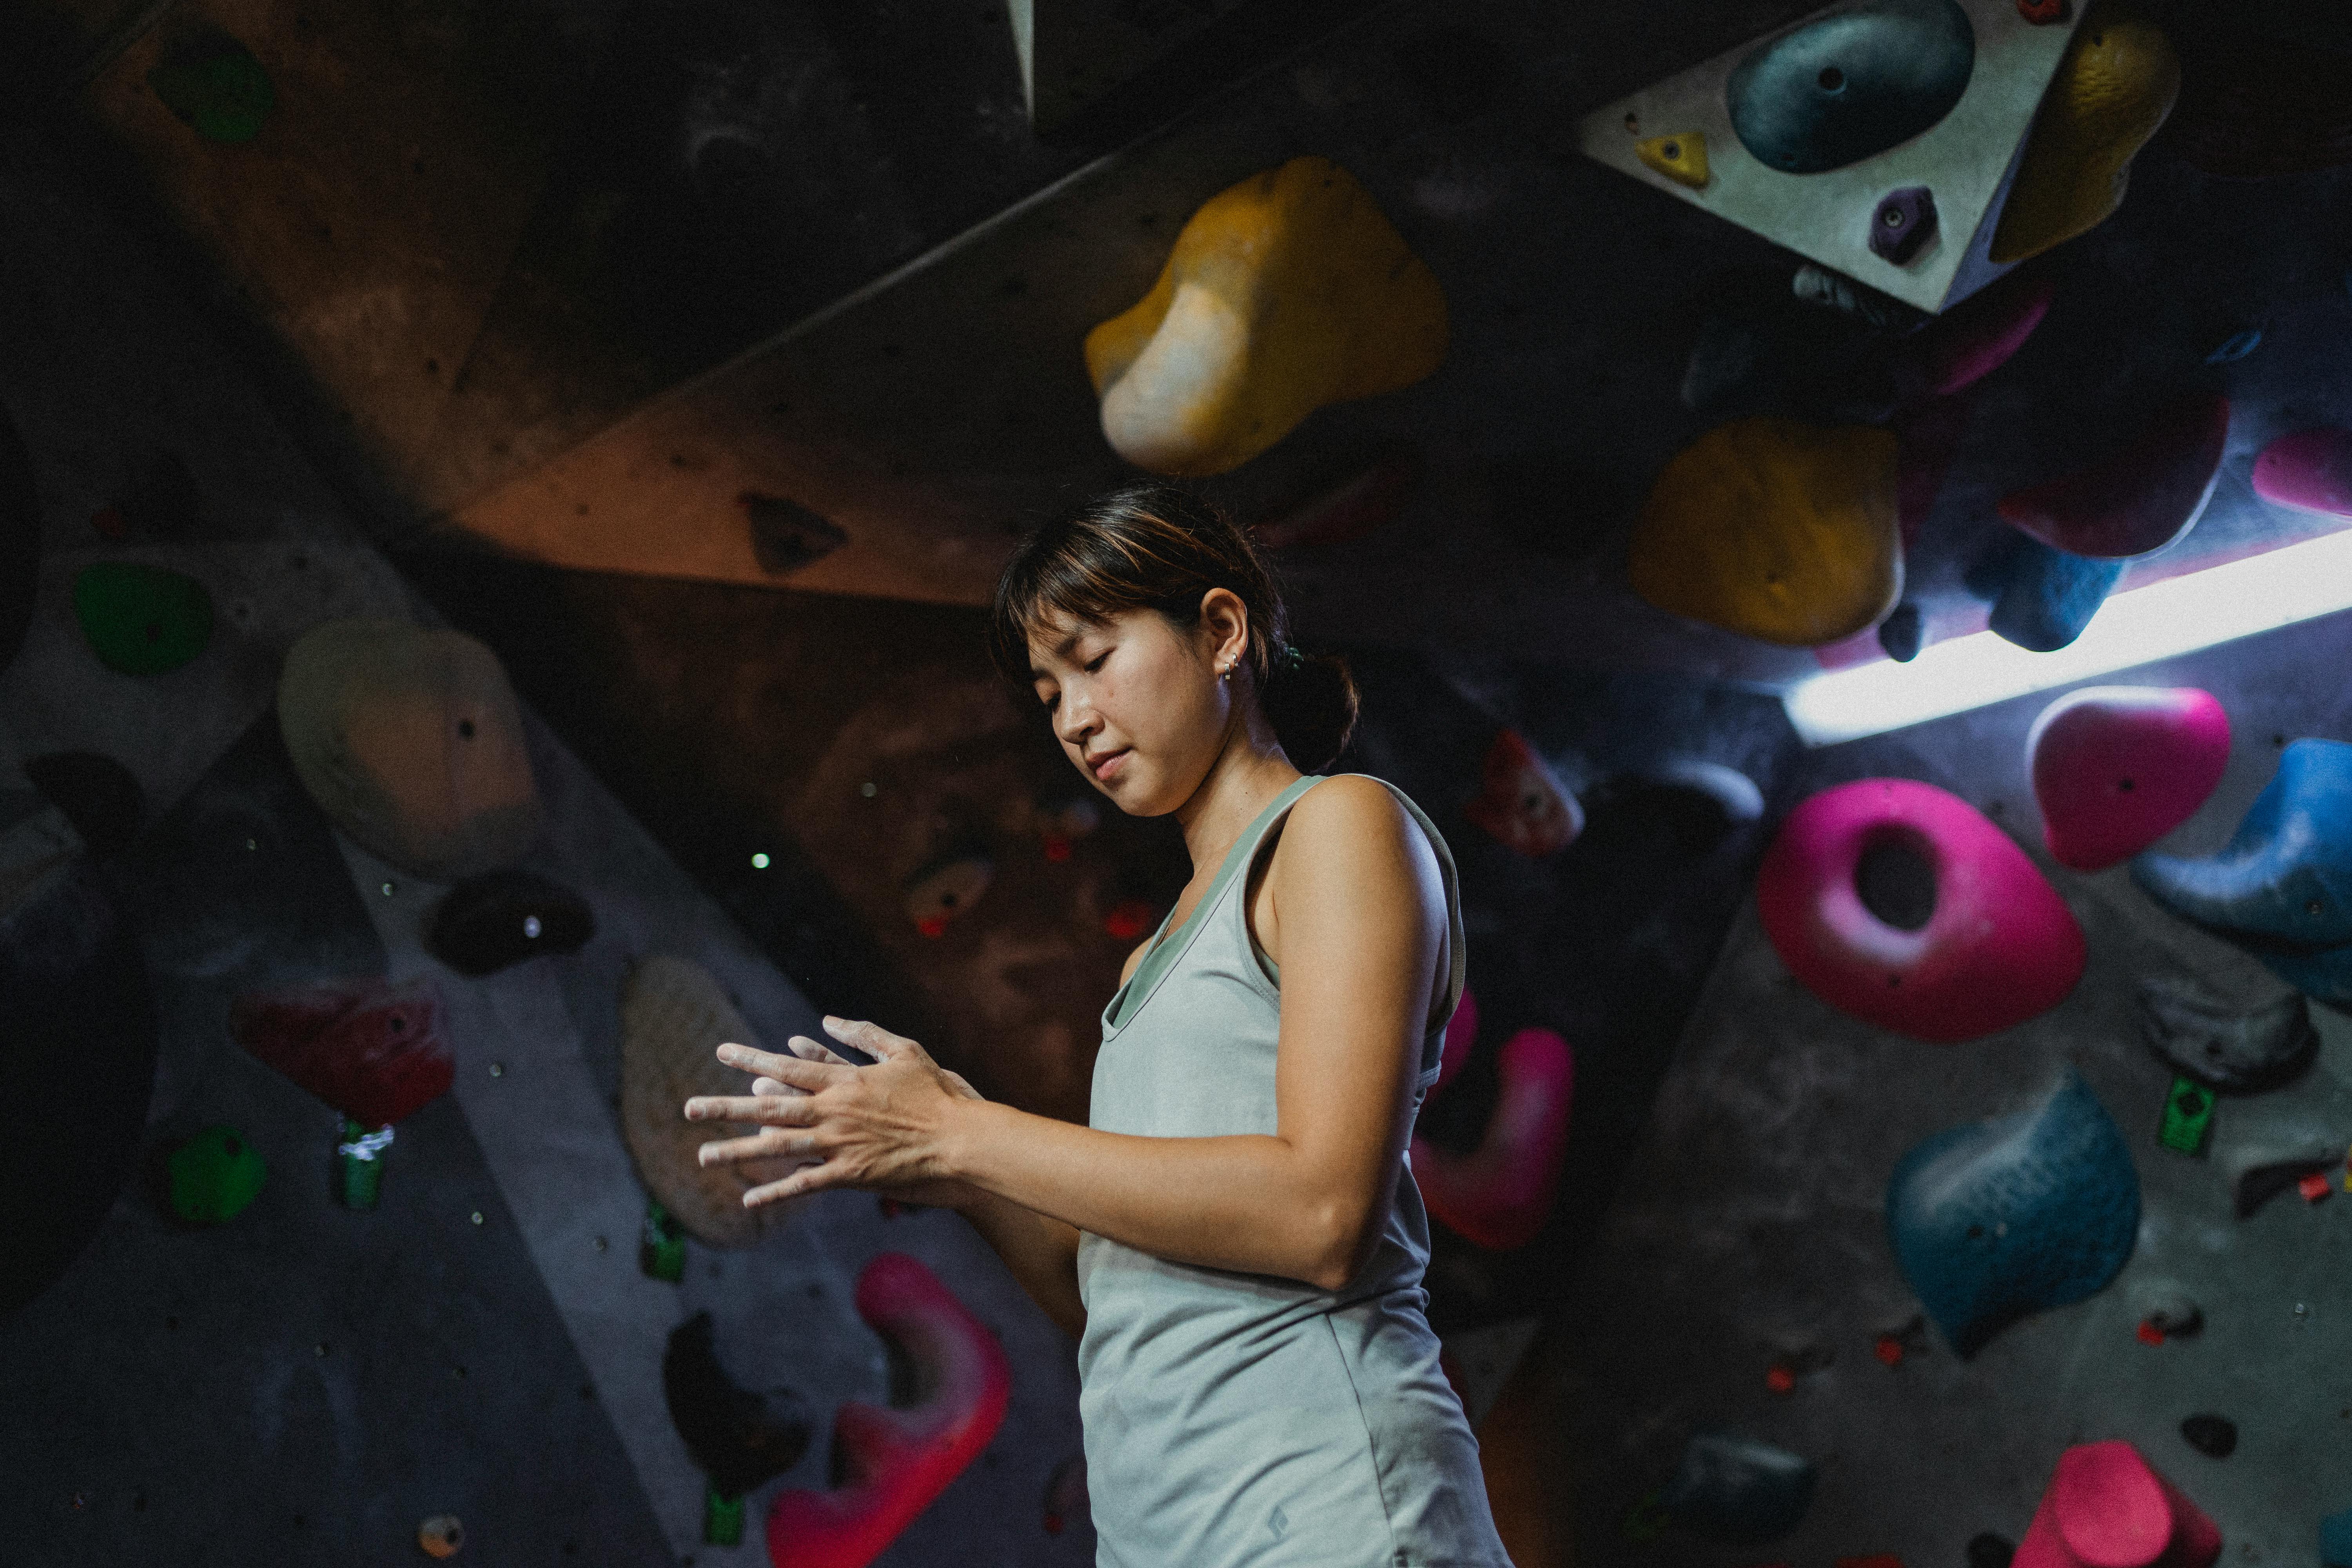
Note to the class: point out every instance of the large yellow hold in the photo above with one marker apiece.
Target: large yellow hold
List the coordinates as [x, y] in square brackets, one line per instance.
[2112, 92]
[1775, 530]
[1287, 292]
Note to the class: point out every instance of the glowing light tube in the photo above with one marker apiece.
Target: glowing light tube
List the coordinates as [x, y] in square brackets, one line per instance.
[2139, 625]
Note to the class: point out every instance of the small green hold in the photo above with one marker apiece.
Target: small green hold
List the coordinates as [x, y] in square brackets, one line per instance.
[214, 1175]
[661, 1251]
[723, 1518]
[141, 619]
[2188, 1117]
[214, 84]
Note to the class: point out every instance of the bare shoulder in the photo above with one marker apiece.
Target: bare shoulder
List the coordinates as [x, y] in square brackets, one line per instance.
[1355, 828]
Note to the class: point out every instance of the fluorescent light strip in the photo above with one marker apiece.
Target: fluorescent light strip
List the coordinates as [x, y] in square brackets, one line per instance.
[2180, 614]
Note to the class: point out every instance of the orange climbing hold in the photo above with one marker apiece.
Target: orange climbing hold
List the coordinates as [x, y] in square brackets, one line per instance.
[1682, 159]
[1782, 532]
[2114, 87]
[1288, 291]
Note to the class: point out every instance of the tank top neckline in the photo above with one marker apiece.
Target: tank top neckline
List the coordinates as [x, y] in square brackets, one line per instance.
[1169, 947]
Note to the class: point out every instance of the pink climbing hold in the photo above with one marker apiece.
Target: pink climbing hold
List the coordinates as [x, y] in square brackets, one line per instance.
[1975, 338]
[899, 1460]
[2107, 1509]
[1461, 1033]
[372, 1050]
[2141, 498]
[1997, 946]
[2117, 767]
[1499, 1195]
[2310, 470]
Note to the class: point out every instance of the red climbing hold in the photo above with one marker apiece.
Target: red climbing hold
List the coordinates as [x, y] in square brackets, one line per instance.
[1348, 510]
[2310, 470]
[2107, 1509]
[1977, 337]
[2314, 1187]
[2141, 498]
[1128, 920]
[1876, 1559]
[1499, 1195]
[1997, 946]
[1889, 1349]
[1521, 802]
[2041, 13]
[111, 523]
[372, 1050]
[1781, 1377]
[2150, 1332]
[896, 1460]
[2115, 768]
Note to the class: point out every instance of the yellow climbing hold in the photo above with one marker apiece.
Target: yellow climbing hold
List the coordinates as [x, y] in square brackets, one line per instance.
[2112, 89]
[1287, 292]
[1775, 530]
[1682, 159]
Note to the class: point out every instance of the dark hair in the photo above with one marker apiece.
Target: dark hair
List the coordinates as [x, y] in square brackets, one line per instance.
[1154, 546]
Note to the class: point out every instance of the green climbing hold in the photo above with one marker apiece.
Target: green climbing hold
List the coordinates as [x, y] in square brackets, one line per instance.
[723, 1518]
[214, 84]
[2188, 1117]
[214, 1175]
[661, 1249]
[143, 620]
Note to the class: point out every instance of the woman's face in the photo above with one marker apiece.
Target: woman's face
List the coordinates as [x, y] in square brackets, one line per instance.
[1136, 704]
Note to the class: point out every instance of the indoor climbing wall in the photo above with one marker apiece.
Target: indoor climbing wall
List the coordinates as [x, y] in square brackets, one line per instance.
[1885, 1256]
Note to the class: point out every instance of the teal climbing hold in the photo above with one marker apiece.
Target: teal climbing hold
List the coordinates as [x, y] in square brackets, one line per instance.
[1848, 87]
[214, 1175]
[213, 83]
[139, 619]
[2336, 1540]
[1993, 1220]
[2042, 598]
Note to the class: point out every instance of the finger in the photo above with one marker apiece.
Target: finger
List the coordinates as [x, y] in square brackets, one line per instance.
[768, 1143]
[872, 1039]
[768, 1109]
[770, 1086]
[793, 1070]
[807, 1179]
[816, 1051]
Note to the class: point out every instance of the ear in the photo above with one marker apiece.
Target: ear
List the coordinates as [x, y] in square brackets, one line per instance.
[1224, 626]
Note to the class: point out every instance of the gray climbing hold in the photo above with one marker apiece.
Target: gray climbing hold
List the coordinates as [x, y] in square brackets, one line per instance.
[2271, 1155]
[1849, 86]
[2164, 1307]
[1737, 1489]
[1995, 1219]
[2222, 1046]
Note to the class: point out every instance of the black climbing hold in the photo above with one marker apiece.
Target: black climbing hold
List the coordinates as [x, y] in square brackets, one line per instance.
[2223, 1046]
[738, 1437]
[786, 535]
[2214, 1435]
[1901, 632]
[488, 922]
[162, 501]
[1739, 1490]
[98, 795]
[1847, 87]
[1991, 1550]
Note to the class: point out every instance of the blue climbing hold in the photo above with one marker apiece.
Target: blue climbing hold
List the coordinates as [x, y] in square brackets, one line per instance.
[1737, 1489]
[1900, 632]
[2042, 598]
[1848, 87]
[2336, 1540]
[1996, 1219]
[2282, 888]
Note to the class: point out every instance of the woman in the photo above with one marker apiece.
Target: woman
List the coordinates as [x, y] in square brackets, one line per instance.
[1235, 1238]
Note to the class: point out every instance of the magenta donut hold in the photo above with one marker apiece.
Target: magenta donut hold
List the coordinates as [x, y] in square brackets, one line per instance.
[1499, 1195]
[2115, 768]
[1998, 946]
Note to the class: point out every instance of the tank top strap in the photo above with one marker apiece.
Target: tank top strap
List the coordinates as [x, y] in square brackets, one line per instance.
[1441, 1006]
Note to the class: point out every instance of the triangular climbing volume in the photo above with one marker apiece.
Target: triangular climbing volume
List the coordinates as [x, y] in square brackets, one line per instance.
[1877, 138]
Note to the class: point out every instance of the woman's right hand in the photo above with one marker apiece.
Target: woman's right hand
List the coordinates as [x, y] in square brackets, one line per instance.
[946, 1195]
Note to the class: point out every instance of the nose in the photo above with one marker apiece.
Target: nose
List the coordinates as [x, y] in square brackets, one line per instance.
[1074, 719]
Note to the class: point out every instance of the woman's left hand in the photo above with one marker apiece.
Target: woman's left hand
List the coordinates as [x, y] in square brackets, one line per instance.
[879, 1126]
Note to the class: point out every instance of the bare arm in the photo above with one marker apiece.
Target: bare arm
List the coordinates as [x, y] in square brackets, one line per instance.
[1359, 908]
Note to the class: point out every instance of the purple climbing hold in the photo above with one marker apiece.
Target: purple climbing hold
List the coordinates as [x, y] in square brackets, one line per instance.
[1903, 223]
[1995, 1219]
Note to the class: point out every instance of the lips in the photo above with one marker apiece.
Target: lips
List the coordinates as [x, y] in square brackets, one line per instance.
[1104, 767]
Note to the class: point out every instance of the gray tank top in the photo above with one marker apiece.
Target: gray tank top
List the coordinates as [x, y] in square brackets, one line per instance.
[1240, 1419]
